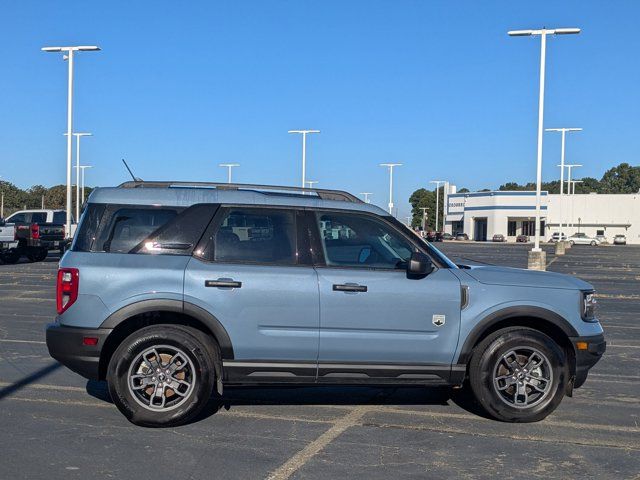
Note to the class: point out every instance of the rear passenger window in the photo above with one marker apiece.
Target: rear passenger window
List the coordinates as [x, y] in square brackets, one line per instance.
[39, 217]
[255, 235]
[60, 218]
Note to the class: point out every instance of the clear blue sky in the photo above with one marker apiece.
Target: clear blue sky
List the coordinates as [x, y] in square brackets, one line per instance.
[439, 86]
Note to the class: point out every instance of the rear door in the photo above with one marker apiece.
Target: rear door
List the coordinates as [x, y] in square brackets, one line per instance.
[376, 324]
[252, 272]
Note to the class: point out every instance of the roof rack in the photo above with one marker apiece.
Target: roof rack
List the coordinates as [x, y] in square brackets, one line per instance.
[323, 194]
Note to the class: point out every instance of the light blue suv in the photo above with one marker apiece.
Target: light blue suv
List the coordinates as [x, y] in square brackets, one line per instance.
[172, 290]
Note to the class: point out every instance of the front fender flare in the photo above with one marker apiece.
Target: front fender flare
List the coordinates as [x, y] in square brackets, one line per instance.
[509, 313]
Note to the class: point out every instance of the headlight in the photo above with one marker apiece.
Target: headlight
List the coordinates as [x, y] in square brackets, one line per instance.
[589, 306]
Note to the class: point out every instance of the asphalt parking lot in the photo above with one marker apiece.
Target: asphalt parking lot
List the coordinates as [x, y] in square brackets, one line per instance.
[56, 425]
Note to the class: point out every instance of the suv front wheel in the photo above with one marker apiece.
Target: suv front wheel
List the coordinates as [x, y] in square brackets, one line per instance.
[162, 375]
[518, 375]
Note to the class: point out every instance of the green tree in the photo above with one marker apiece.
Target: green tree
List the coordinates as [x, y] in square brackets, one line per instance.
[621, 179]
[422, 198]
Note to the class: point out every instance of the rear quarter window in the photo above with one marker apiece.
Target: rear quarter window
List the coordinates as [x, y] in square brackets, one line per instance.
[134, 229]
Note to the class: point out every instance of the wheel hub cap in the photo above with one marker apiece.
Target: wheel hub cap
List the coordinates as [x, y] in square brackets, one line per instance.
[522, 377]
[161, 378]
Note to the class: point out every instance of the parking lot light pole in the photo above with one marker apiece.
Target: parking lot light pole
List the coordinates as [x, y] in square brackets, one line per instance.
[437, 182]
[424, 218]
[543, 48]
[229, 166]
[68, 55]
[563, 131]
[78, 135]
[569, 167]
[391, 167]
[311, 183]
[304, 151]
[366, 196]
[82, 169]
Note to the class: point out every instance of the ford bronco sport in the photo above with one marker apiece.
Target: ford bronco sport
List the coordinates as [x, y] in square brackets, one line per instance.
[172, 290]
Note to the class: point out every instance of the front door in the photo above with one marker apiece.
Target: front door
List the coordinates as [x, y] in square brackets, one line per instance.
[376, 323]
[251, 276]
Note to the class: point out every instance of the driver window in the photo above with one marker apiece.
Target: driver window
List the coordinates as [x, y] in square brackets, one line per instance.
[352, 240]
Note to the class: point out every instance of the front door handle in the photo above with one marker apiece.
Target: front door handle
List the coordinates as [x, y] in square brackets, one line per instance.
[223, 283]
[349, 287]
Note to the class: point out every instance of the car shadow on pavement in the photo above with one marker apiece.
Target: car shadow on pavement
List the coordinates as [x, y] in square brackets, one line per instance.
[416, 396]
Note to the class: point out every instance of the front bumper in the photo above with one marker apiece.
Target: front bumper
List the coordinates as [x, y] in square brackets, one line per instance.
[67, 346]
[589, 351]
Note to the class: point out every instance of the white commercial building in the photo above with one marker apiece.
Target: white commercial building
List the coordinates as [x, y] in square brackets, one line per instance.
[511, 213]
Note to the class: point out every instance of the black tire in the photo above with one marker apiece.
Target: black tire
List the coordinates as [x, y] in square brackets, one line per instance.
[571, 242]
[593, 243]
[11, 256]
[198, 371]
[487, 363]
[37, 254]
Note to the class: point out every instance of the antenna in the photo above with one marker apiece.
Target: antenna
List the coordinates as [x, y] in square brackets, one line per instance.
[135, 179]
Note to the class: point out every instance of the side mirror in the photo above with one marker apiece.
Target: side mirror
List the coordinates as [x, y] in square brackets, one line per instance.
[419, 266]
[2, 222]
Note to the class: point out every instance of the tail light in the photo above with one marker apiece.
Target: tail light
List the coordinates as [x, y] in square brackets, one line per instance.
[67, 288]
[35, 231]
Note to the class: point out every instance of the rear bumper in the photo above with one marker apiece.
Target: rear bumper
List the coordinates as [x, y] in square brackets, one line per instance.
[48, 244]
[66, 345]
[587, 357]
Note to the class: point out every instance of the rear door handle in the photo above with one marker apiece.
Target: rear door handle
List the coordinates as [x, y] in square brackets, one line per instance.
[349, 287]
[223, 283]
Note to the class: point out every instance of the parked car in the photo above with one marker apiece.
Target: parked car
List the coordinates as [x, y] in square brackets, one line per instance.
[620, 240]
[522, 239]
[557, 237]
[430, 236]
[447, 237]
[602, 239]
[38, 231]
[8, 242]
[212, 286]
[498, 237]
[462, 236]
[583, 239]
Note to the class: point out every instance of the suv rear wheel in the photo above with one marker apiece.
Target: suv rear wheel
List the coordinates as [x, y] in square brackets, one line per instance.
[518, 375]
[162, 375]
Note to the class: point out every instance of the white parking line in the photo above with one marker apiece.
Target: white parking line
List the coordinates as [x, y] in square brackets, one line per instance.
[303, 456]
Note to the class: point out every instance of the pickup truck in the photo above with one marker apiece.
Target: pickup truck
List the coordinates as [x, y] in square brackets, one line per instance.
[8, 242]
[36, 232]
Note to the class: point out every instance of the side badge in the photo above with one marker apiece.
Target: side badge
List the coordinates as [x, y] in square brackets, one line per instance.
[438, 320]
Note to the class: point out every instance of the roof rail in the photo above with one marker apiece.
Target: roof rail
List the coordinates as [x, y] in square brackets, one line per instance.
[323, 194]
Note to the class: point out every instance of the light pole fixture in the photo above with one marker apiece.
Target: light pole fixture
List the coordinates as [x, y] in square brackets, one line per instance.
[82, 169]
[543, 49]
[563, 131]
[437, 182]
[366, 196]
[78, 135]
[229, 166]
[390, 166]
[311, 183]
[424, 218]
[569, 170]
[572, 191]
[304, 134]
[68, 55]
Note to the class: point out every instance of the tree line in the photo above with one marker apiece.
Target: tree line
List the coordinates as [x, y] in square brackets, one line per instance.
[621, 179]
[15, 198]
